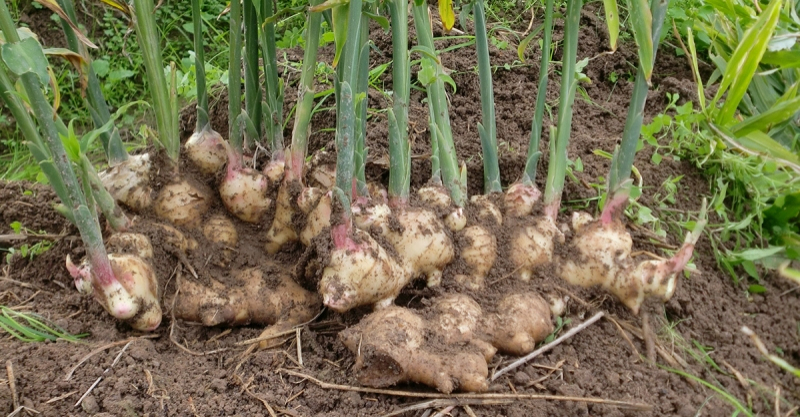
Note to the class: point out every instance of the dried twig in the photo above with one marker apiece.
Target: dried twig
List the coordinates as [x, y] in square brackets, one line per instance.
[263, 401]
[104, 347]
[100, 378]
[444, 403]
[22, 408]
[624, 335]
[444, 412]
[299, 348]
[551, 371]
[11, 237]
[573, 331]
[12, 384]
[436, 395]
[739, 377]
[60, 397]
[469, 411]
[267, 334]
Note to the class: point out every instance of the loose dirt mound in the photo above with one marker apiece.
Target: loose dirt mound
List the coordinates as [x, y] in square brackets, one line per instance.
[154, 376]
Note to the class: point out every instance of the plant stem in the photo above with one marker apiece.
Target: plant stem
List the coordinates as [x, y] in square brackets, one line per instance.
[558, 165]
[21, 115]
[235, 76]
[346, 112]
[252, 87]
[623, 159]
[85, 220]
[488, 129]
[529, 175]
[439, 113]
[147, 35]
[199, 67]
[399, 147]
[362, 97]
[116, 218]
[273, 84]
[95, 101]
[305, 102]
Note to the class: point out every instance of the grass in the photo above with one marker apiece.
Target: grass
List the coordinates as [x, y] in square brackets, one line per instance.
[30, 327]
[119, 66]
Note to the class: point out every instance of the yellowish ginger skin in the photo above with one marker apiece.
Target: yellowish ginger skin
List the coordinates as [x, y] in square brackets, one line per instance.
[220, 229]
[479, 256]
[603, 258]
[361, 272]
[282, 231]
[521, 321]
[318, 218]
[132, 243]
[133, 294]
[459, 319]
[487, 210]
[256, 300]
[532, 246]
[389, 345]
[450, 347]
[207, 150]
[421, 242]
[129, 182]
[183, 203]
[244, 194]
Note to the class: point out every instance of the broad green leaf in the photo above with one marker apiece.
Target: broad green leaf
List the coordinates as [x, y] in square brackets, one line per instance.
[120, 74]
[26, 56]
[447, 14]
[744, 62]
[101, 67]
[380, 20]
[523, 45]
[425, 52]
[55, 8]
[781, 42]
[427, 72]
[642, 24]
[612, 22]
[23, 33]
[762, 143]
[339, 16]
[757, 254]
[449, 80]
[71, 144]
[762, 122]
[782, 59]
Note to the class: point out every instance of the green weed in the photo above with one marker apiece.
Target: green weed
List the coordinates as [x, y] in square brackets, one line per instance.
[30, 327]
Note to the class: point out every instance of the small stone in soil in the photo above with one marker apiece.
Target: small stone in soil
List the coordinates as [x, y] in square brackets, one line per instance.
[89, 405]
[521, 378]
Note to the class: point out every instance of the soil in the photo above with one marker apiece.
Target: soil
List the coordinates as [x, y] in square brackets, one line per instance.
[698, 329]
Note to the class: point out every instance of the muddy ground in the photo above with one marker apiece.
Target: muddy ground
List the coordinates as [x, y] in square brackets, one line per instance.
[206, 374]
